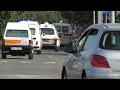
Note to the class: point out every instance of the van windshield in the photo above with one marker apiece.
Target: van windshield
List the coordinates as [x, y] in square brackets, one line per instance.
[17, 33]
[47, 31]
[110, 40]
[32, 31]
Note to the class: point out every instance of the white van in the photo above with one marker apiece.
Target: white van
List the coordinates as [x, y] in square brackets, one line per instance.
[50, 36]
[36, 35]
[65, 33]
[17, 40]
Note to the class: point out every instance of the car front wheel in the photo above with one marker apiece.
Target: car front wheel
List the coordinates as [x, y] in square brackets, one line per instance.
[64, 74]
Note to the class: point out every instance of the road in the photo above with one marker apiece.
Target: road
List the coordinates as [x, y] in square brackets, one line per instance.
[47, 65]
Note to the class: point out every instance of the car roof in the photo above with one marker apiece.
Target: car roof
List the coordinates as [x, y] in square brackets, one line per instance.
[106, 26]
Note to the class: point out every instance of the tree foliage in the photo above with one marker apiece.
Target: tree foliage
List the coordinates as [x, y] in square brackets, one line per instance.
[77, 18]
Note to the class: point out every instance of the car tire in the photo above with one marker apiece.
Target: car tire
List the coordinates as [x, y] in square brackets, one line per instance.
[57, 49]
[64, 74]
[39, 51]
[84, 76]
[3, 55]
[30, 55]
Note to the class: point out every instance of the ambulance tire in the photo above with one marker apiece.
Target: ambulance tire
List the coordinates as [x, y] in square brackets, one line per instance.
[30, 55]
[3, 55]
[57, 49]
[39, 51]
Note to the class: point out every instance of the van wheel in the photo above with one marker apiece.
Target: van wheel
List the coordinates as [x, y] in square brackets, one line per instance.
[31, 56]
[3, 55]
[39, 51]
[57, 49]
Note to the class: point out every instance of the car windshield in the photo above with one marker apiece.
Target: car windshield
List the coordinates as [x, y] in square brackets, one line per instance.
[17, 33]
[58, 28]
[110, 40]
[65, 29]
[32, 31]
[47, 31]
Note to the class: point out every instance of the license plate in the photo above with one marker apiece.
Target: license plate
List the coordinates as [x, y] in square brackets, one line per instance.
[16, 48]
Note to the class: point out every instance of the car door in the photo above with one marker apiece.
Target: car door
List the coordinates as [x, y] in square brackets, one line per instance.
[75, 63]
[81, 53]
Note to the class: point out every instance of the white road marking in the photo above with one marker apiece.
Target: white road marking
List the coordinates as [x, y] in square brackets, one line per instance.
[15, 76]
[3, 61]
[25, 62]
[52, 57]
[49, 62]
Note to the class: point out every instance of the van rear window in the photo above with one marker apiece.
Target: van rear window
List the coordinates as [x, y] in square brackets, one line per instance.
[17, 33]
[47, 31]
[65, 29]
[58, 28]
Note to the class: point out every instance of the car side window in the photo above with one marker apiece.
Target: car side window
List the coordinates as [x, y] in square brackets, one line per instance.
[91, 39]
[81, 41]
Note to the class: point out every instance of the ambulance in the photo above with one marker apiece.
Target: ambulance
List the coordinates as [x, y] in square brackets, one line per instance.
[50, 36]
[36, 35]
[17, 40]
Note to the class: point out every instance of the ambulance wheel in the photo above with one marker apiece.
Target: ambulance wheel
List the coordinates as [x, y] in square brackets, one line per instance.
[3, 55]
[57, 49]
[39, 51]
[30, 55]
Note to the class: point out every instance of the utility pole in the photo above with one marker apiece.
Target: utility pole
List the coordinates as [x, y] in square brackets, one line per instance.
[99, 17]
[112, 16]
[106, 18]
[56, 16]
[93, 17]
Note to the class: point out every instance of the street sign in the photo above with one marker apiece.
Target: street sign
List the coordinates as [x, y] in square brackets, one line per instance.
[105, 12]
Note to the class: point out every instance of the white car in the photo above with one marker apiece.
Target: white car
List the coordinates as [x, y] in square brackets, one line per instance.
[50, 36]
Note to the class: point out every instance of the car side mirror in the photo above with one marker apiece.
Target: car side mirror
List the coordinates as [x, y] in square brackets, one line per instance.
[68, 49]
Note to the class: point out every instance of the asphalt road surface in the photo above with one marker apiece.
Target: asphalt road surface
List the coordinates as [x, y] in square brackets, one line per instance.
[47, 65]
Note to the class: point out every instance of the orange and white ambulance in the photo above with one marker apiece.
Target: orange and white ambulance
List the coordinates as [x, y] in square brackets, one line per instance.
[17, 40]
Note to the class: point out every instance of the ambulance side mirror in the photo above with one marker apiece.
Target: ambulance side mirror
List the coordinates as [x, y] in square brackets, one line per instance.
[34, 38]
